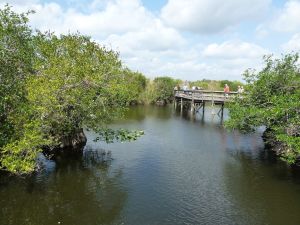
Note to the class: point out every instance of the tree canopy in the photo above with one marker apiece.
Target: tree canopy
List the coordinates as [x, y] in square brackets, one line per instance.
[54, 86]
[272, 100]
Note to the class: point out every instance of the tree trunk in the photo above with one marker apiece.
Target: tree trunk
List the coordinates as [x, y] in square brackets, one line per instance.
[72, 144]
[75, 140]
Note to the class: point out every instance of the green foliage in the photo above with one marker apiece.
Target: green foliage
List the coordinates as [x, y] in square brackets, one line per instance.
[19, 156]
[78, 84]
[136, 85]
[18, 130]
[164, 87]
[16, 52]
[51, 87]
[272, 100]
[201, 84]
[160, 89]
[216, 85]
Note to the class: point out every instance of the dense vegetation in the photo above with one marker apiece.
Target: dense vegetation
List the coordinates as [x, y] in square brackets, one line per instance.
[52, 87]
[272, 100]
[160, 90]
[216, 85]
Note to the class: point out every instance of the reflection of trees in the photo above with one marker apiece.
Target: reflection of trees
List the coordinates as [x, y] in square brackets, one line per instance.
[258, 186]
[79, 191]
[139, 113]
[136, 113]
[159, 112]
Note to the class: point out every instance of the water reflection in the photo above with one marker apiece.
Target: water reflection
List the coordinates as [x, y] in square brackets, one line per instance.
[210, 116]
[254, 179]
[256, 187]
[139, 113]
[77, 191]
[186, 169]
[265, 186]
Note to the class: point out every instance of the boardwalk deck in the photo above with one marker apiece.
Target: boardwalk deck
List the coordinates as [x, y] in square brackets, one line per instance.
[198, 98]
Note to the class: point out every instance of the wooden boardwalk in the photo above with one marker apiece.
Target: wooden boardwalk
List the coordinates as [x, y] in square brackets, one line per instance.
[198, 98]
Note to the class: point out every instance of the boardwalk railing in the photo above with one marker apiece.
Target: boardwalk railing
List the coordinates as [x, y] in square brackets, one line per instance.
[204, 95]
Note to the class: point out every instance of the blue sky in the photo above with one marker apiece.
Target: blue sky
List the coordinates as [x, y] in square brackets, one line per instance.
[186, 39]
[154, 5]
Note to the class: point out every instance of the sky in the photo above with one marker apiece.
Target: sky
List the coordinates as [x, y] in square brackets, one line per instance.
[185, 39]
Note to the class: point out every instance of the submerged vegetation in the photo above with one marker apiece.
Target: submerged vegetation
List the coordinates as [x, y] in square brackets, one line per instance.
[272, 100]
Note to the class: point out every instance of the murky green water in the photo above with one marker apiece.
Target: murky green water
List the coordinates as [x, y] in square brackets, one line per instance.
[185, 170]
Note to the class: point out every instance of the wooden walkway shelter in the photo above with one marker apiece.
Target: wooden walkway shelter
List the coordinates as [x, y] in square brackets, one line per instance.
[198, 98]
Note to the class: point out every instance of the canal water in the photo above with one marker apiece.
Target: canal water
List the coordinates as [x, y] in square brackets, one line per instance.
[184, 170]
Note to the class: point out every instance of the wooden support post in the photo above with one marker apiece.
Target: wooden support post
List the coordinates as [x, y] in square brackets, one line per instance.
[181, 104]
[198, 108]
[222, 110]
[203, 107]
[192, 106]
[175, 103]
[192, 103]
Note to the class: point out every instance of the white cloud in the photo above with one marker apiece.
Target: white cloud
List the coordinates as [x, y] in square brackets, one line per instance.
[288, 19]
[19, 2]
[293, 45]
[145, 42]
[207, 16]
[155, 37]
[231, 58]
[117, 16]
[261, 31]
[234, 49]
[227, 60]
